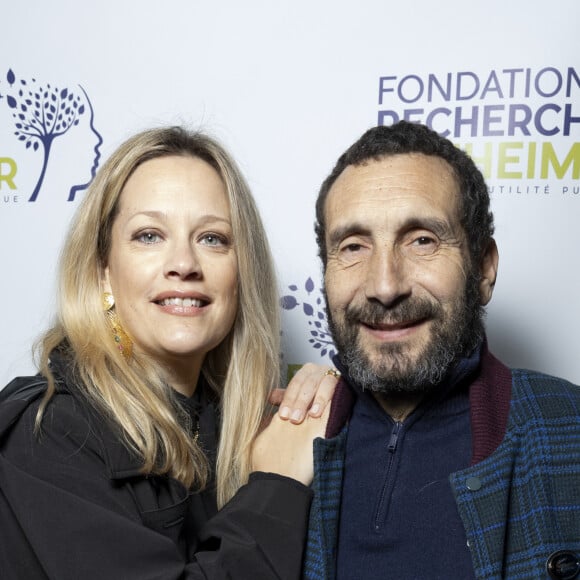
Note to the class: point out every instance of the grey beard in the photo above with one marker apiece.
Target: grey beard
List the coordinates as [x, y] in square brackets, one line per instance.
[396, 372]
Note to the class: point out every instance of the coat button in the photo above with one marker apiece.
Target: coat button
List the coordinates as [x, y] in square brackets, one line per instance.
[473, 483]
[563, 565]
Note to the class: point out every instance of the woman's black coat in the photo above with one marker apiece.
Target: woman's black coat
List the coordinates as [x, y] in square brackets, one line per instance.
[75, 506]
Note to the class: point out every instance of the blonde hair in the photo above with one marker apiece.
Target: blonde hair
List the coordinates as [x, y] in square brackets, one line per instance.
[241, 370]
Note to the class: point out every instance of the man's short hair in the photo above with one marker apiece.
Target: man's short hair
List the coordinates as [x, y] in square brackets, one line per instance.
[404, 137]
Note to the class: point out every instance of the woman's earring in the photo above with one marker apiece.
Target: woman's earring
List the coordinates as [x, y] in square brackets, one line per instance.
[122, 339]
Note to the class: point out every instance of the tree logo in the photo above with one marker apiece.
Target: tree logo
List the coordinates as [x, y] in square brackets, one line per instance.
[313, 308]
[41, 114]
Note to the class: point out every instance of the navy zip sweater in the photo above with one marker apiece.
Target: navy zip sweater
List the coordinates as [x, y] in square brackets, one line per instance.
[398, 516]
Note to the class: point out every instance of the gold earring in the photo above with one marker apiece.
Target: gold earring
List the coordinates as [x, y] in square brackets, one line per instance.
[108, 301]
[122, 339]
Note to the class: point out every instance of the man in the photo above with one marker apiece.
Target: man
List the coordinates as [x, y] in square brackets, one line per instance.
[442, 462]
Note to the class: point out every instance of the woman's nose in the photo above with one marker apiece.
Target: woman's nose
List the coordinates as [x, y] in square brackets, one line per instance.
[182, 262]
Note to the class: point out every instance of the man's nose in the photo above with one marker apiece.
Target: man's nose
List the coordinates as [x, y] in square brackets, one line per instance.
[387, 278]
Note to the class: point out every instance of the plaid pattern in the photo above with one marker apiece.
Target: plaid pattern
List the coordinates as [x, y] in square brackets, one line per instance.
[321, 546]
[528, 505]
[528, 502]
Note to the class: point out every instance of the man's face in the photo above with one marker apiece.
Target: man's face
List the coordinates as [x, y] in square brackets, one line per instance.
[403, 301]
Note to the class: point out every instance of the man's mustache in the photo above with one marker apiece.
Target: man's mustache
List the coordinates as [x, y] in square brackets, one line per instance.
[374, 313]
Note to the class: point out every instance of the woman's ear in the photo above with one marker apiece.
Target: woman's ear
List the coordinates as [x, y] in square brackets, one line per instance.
[105, 281]
[489, 264]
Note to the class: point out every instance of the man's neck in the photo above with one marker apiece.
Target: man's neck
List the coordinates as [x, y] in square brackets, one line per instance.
[399, 406]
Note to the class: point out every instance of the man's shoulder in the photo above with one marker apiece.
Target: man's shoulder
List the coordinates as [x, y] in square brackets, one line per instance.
[540, 395]
[537, 381]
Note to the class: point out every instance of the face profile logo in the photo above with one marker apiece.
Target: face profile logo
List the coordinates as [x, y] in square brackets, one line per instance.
[313, 307]
[41, 114]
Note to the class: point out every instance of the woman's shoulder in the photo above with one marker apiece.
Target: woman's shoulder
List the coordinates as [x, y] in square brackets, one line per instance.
[23, 395]
[67, 434]
[26, 388]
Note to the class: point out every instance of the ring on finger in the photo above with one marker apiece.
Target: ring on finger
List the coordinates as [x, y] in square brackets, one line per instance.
[334, 372]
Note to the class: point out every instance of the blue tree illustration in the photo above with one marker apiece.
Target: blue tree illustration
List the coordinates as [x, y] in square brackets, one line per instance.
[315, 311]
[42, 114]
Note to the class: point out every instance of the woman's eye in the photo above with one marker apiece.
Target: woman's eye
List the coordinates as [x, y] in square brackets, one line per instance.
[148, 237]
[213, 240]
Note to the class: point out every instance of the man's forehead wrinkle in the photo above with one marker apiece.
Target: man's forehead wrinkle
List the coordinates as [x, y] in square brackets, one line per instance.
[392, 181]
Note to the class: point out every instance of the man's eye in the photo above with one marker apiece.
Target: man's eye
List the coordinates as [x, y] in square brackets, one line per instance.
[424, 245]
[351, 248]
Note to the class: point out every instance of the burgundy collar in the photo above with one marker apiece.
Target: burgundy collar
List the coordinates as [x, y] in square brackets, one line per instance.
[489, 399]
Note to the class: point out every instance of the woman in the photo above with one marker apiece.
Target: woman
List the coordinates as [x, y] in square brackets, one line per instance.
[166, 336]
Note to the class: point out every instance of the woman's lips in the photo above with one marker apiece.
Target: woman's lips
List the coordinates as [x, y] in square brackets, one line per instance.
[182, 303]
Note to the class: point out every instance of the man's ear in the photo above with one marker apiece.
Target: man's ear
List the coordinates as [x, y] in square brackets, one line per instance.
[488, 266]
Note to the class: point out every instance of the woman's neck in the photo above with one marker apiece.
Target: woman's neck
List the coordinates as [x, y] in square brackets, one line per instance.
[182, 376]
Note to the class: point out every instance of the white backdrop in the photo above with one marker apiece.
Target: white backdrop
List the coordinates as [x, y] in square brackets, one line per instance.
[287, 86]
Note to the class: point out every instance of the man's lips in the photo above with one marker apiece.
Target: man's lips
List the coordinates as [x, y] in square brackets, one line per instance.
[393, 326]
[393, 331]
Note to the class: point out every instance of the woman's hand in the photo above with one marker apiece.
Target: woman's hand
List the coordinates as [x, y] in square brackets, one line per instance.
[286, 449]
[308, 393]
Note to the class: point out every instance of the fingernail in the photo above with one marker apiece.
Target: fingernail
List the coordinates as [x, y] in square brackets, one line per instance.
[284, 412]
[315, 409]
[297, 415]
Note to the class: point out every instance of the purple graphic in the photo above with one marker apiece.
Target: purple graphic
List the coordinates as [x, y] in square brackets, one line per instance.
[43, 113]
[314, 309]
[80, 187]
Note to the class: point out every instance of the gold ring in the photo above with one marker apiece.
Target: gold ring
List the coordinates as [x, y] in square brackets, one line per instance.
[334, 372]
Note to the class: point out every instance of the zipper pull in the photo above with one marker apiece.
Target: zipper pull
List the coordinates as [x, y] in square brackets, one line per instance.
[394, 437]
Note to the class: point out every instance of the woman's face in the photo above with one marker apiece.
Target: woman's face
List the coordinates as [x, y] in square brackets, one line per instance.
[172, 267]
